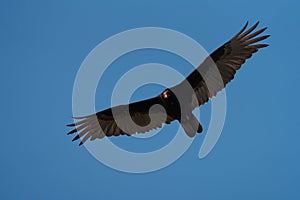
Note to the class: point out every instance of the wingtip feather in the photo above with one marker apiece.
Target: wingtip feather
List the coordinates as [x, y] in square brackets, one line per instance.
[243, 29]
[249, 30]
[75, 138]
[72, 131]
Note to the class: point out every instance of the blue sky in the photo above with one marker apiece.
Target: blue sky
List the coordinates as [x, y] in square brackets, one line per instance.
[42, 47]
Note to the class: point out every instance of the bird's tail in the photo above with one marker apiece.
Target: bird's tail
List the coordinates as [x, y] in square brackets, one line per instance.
[191, 125]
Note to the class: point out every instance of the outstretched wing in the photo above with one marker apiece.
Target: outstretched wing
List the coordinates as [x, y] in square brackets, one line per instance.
[138, 117]
[220, 67]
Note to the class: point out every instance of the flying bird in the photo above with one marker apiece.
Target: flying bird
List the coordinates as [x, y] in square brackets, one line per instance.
[178, 102]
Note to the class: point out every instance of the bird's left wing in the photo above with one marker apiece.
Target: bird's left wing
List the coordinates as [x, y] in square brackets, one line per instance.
[138, 117]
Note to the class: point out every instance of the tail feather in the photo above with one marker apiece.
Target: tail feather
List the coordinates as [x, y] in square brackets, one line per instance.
[191, 125]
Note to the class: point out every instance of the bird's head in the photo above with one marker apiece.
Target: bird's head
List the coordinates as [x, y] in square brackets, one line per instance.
[170, 102]
[166, 94]
[169, 97]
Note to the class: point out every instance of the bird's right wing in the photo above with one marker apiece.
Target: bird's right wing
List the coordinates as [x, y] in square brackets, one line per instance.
[219, 68]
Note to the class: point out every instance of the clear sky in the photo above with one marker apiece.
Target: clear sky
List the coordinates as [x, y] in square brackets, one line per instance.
[43, 44]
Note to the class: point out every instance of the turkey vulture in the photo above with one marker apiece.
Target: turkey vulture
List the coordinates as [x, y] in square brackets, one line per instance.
[178, 102]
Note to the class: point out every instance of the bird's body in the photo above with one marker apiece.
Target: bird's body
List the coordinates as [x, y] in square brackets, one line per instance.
[178, 102]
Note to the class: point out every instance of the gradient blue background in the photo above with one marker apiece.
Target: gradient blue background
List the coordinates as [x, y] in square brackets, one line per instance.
[42, 44]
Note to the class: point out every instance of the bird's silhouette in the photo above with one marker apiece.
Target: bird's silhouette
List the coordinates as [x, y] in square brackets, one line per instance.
[178, 102]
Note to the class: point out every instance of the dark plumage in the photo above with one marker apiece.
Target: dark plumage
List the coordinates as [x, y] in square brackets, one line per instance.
[178, 102]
